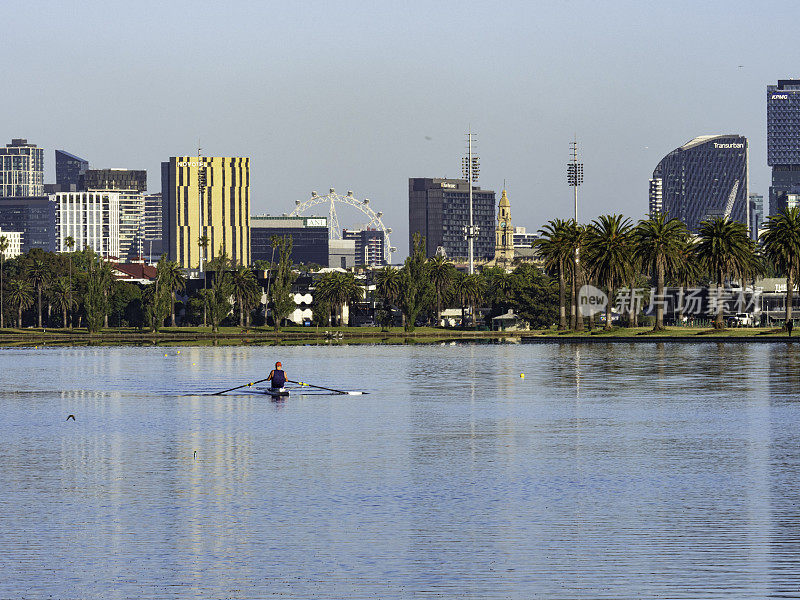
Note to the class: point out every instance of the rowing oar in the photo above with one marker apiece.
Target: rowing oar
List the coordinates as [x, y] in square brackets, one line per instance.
[327, 389]
[239, 386]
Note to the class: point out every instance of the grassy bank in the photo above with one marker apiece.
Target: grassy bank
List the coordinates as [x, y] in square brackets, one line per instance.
[370, 335]
[238, 335]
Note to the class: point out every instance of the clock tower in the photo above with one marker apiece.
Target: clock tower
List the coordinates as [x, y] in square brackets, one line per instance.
[504, 234]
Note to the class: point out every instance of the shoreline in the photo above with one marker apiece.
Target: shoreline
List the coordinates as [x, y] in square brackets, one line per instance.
[232, 336]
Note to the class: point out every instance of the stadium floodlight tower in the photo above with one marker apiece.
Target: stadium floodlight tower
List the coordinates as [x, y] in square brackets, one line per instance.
[470, 168]
[574, 174]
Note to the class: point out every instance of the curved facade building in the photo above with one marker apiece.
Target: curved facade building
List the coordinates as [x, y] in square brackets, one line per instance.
[704, 178]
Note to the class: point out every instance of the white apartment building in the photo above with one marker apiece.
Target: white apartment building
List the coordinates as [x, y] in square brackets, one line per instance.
[14, 239]
[91, 218]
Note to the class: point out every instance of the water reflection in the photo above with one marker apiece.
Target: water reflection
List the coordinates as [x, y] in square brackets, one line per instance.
[609, 471]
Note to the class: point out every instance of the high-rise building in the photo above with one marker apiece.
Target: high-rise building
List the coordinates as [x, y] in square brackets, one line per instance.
[438, 209]
[129, 185]
[34, 217]
[222, 217]
[369, 248]
[756, 214]
[13, 241]
[783, 142]
[704, 178]
[309, 238]
[504, 234]
[91, 219]
[152, 231]
[523, 239]
[656, 195]
[115, 179]
[21, 170]
[70, 170]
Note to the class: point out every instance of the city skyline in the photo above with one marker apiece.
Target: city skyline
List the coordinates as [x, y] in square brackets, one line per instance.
[393, 100]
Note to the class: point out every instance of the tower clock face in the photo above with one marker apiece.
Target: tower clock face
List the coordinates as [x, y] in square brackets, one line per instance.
[502, 224]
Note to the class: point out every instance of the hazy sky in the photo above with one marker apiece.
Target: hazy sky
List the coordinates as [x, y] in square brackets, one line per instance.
[362, 96]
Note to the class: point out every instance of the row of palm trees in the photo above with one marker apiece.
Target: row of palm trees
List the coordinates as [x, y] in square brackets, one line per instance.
[612, 252]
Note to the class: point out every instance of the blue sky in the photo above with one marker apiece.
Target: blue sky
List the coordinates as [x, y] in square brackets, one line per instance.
[361, 96]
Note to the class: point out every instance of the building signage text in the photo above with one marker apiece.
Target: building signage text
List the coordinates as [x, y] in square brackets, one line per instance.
[728, 145]
[448, 185]
[780, 96]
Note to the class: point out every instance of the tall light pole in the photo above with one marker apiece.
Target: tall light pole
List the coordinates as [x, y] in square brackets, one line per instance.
[574, 179]
[470, 169]
[574, 173]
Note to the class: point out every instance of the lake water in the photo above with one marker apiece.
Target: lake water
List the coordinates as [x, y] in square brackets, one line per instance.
[609, 471]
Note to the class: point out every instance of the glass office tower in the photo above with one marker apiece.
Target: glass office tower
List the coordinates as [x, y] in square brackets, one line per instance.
[783, 142]
[704, 178]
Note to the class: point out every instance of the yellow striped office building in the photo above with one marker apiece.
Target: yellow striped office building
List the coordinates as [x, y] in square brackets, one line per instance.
[223, 183]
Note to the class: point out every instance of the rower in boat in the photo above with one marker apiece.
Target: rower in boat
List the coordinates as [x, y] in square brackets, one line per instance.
[277, 380]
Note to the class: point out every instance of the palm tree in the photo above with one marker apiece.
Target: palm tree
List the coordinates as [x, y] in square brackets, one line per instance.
[61, 296]
[20, 292]
[725, 250]
[556, 250]
[468, 289]
[441, 274]
[338, 289]
[3, 247]
[172, 279]
[781, 242]
[39, 275]
[69, 242]
[660, 243]
[246, 291]
[388, 282]
[608, 252]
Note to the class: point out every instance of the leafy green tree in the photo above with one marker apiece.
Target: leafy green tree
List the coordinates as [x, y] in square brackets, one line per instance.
[39, 275]
[468, 290]
[282, 278]
[534, 296]
[218, 299]
[416, 289]
[661, 244]
[555, 248]
[69, 243]
[608, 252]
[61, 297]
[781, 243]
[725, 250]
[125, 304]
[337, 289]
[246, 291]
[95, 297]
[20, 293]
[3, 247]
[441, 274]
[387, 289]
[172, 281]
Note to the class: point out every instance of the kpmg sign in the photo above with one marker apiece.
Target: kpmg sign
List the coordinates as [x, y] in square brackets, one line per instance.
[780, 96]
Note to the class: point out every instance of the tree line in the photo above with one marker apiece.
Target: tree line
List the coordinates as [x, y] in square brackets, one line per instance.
[612, 253]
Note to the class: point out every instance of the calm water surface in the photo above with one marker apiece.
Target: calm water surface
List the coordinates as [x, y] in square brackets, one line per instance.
[609, 471]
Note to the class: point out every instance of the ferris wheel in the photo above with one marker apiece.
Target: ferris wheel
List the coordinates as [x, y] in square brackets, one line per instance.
[334, 230]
